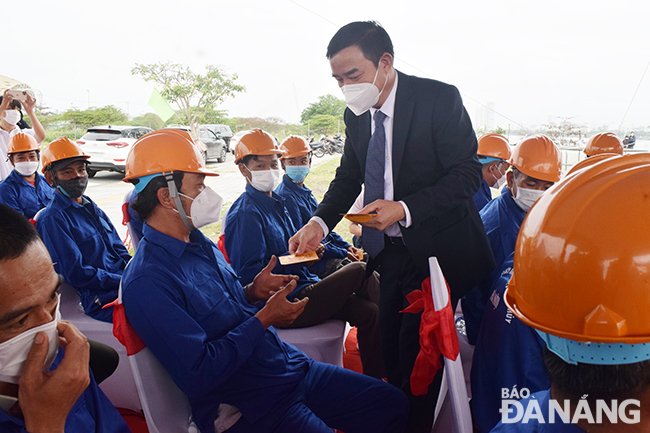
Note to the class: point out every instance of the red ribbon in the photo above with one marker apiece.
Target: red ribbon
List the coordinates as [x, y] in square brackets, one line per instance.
[437, 336]
[122, 329]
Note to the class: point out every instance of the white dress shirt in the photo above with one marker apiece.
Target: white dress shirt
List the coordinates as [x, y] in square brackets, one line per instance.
[388, 108]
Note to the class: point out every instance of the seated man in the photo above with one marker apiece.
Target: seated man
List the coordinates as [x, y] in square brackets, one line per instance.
[301, 204]
[81, 239]
[24, 189]
[536, 165]
[508, 355]
[258, 227]
[45, 383]
[493, 153]
[580, 280]
[187, 305]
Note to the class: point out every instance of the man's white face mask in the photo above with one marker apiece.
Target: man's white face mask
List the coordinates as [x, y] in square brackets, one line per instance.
[13, 352]
[205, 208]
[265, 180]
[361, 97]
[12, 117]
[26, 168]
[526, 197]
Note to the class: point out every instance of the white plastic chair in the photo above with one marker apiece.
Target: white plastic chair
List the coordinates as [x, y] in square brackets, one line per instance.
[322, 342]
[119, 387]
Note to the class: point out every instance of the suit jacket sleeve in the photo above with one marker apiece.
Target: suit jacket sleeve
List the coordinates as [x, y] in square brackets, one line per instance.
[455, 146]
[345, 187]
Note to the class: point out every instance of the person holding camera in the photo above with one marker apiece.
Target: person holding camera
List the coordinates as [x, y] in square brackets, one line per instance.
[10, 116]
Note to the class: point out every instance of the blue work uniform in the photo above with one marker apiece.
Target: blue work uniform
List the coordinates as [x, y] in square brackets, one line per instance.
[302, 204]
[483, 196]
[86, 251]
[24, 197]
[257, 227]
[187, 305]
[92, 413]
[501, 218]
[508, 354]
[532, 425]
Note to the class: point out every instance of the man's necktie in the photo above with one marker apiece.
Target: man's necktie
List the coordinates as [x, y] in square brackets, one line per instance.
[371, 239]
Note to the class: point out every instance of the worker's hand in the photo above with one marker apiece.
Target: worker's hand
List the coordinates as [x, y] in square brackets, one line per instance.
[388, 213]
[29, 104]
[279, 311]
[6, 100]
[308, 238]
[267, 283]
[46, 398]
[354, 254]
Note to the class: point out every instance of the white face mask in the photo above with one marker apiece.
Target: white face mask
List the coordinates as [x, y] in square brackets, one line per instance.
[12, 117]
[26, 168]
[360, 97]
[205, 208]
[265, 180]
[13, 352]
[499, 183]
[526, 197]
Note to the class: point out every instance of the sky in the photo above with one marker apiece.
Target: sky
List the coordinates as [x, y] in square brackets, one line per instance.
[530, 61]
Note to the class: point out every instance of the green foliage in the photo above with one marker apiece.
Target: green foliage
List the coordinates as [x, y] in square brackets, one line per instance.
[326, 105]
[152, 120]
[325, 124]
[195, 95]
[108, 115]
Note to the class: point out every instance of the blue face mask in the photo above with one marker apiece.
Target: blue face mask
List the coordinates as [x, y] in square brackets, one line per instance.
[297, 173]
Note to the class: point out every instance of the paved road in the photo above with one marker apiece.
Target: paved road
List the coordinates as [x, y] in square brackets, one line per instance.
[108, 190]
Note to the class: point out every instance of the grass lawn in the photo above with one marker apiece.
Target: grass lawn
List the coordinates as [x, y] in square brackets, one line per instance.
[318, 181]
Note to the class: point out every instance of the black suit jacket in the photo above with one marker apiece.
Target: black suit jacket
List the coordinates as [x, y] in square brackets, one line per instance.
[435, 172]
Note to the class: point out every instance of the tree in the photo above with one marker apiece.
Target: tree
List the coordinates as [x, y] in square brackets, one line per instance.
[108, 115]
[152, 120]
[193, 94]
[326, 105]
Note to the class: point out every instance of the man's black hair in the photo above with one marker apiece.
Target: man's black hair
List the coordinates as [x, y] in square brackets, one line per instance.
[605, 382]
[247, 158]
[147, 200]
[16, 233]
[369, 36]
[14, 104]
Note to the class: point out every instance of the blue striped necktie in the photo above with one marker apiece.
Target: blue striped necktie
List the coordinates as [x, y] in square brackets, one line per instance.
[372, 239]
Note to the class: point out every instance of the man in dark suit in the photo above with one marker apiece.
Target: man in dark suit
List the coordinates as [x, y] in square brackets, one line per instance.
[410, 141]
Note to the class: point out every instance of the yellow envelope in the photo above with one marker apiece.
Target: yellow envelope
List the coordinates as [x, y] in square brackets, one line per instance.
[360, 218]
[292, 259]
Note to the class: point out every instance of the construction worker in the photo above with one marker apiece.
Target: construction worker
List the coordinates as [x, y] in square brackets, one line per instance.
[258, 227]
[45, 382]
[86, 249]
[301, 204]
[493, 154]
[215, 337]
[25, 190]
[536, 164]
[581, 282]
[604, 142]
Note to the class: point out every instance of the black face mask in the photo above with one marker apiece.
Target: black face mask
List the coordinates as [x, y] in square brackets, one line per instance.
[73, 188]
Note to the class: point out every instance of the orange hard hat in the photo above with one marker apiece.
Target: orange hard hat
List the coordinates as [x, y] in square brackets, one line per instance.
[581, 267]
[160, 152]
[182, 132]
[58, 150]
[588, 162]
[22, 142]
[256, 142]
[294, 146]
[494, 145]
[605, 142]
[538, 157]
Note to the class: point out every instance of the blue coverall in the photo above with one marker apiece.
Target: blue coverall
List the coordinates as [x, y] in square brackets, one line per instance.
[483, 196]
[86, 251]
[508, 354]
[24, 197]
[189, 308]
[501, 218]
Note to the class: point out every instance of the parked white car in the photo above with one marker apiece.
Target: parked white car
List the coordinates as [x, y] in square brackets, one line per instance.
[109, 145]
